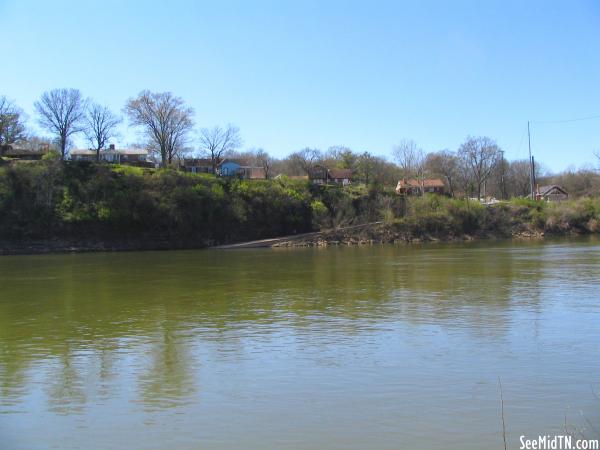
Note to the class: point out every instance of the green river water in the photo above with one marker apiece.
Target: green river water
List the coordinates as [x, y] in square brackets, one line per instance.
[382, 347]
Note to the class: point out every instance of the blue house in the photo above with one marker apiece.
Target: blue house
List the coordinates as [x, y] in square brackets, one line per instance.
[240, 168]
[229, 168]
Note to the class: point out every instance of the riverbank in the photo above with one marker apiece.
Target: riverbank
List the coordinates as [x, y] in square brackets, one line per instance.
[360, 235]
[51, 207]
[386, 234]
[437, 219]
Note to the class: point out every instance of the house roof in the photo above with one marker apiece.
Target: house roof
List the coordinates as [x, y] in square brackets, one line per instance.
[430, 182]
[239, 162]
[13, 150]
[81, 151]
[112, 151]
[208, 162]
[197, 162]
[127, 151]
[319, 171]
[242, 163]
[340, 173]
[544, 190]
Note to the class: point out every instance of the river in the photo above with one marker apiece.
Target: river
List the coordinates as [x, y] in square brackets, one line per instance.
[377, 347]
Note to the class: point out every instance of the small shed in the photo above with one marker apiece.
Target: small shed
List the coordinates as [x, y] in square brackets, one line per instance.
[552, 193]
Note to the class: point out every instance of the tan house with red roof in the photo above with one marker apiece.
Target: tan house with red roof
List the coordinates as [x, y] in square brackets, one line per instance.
[418, 187]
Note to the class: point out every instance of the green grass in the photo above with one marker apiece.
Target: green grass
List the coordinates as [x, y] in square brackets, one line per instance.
[131, 170]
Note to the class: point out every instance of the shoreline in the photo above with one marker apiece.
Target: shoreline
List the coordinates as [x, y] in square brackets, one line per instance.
[62, 246]
[383, 234]
[376, 234]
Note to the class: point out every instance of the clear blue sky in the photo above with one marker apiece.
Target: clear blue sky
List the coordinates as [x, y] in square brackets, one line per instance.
[321, 73]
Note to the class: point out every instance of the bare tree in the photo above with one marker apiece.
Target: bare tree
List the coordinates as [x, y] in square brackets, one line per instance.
[584, 181]
[479, 154]
[12, 129]
[217, 142]
[519, 172]
[264, 160]
[499, 176]
[410, 157]
[365, 166]
[518, 177]
[340, 156]
[62, 112]
[444, 164]
[101, 126]
[306, 159]
[165, 119]
[36, 143]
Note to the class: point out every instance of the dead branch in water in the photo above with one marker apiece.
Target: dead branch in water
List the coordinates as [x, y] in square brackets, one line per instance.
[502, 410]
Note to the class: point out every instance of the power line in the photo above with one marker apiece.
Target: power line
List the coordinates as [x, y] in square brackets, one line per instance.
[521, 142]
[566, 120]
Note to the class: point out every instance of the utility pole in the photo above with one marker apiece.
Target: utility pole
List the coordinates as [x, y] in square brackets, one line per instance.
[533, 170]
[502, 169]
[531, 173]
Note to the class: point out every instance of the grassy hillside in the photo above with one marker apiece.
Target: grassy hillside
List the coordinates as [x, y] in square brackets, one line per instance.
[442, 216]
[50, 199]
[99, 202]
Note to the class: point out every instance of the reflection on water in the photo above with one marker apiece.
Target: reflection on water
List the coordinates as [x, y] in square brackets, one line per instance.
[377, 347]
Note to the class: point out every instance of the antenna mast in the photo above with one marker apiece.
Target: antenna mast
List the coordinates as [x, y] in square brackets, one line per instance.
[531, 169]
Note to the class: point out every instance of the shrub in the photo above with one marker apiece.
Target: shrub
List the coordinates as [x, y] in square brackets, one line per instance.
[52, 155]
[581, 215]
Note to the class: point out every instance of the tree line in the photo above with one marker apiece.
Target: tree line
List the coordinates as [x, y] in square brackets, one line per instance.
[477, 168]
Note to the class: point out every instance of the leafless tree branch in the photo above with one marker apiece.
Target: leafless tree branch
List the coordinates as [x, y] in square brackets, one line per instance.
[101, 126]
[306, 159]
[62, 112]
[165, 119]
[217, 142]
[12, 129]
[479, 156]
